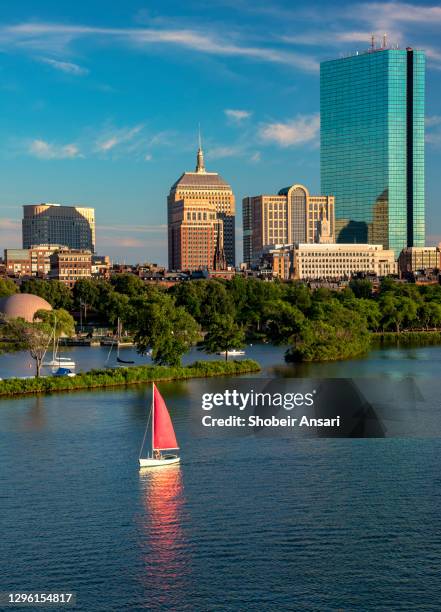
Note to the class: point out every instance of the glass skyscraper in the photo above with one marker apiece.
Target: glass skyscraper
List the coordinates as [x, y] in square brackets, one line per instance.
[372, 146]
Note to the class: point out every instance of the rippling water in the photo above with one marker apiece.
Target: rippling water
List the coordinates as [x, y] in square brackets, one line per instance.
[243, 524]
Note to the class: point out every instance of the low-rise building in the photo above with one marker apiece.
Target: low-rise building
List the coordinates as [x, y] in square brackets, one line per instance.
[419, 260]
[100, 266]
[334, 261]
[326, 261]
[279, 259]
[34, 261]
[70, 265]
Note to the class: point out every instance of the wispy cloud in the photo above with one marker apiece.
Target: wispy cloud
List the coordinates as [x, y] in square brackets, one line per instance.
[67, 67]
[58, 36]
[134, 228]
[237, 116]
[433, 130]
[10, 232]
[300, 130]
[47, 150]
[219, 152]
[387, 13]
[117, 137]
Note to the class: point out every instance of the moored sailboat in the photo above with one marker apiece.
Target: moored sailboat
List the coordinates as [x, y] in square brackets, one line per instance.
[163, 435]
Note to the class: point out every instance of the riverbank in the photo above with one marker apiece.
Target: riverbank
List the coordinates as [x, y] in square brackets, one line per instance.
[414, 338]
[125, 376]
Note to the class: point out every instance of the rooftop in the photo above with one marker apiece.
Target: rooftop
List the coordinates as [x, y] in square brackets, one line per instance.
[200, 178]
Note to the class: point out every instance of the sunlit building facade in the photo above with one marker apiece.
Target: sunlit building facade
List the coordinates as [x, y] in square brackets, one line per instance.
[291, 216]
[372, 145]
[73, 226]
[201, 219]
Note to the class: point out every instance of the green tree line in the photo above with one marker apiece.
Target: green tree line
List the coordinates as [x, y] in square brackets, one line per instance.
[220, 315]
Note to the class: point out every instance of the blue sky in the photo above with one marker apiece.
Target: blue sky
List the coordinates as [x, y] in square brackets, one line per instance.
[101, 102]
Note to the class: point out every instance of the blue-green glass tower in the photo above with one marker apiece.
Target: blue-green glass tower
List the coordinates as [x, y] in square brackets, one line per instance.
[372, 145]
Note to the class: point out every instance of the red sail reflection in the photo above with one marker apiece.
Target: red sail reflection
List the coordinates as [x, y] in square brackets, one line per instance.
[166, 558]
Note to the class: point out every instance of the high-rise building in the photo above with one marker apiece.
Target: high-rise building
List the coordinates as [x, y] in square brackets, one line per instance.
[290, 217]
[73, 226]
[193, 233]
[372, 145]
[191, 203]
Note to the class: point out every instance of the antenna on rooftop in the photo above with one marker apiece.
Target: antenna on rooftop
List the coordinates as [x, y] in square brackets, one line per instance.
[384, 40]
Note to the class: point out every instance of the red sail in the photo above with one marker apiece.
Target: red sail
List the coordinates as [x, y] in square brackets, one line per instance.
[163, 432]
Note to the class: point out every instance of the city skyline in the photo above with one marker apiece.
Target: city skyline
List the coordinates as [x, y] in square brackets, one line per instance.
[92, 117]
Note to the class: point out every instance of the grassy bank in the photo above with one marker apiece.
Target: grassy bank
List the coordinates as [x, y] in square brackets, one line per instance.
[414, 338]
[126, 376]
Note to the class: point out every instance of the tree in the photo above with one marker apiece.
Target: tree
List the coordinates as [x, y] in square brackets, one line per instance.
[429, 314]
[168, 330]
[86, 293]
[7, 287]
[60, 321]
[298, 294]
[217, 302]
[282, 320]
[362, 287]
[341, 334]
[397, 311]
[33, 337]
[55, 292]
[223, 335]
[370, 310]
[127, 284]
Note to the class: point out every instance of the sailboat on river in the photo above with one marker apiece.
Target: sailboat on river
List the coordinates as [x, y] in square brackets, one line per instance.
[163, 435]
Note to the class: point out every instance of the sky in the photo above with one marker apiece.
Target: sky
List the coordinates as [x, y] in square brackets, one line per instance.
[101, 103]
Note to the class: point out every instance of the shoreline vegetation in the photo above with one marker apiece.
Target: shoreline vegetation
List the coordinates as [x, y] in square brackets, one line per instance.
[219, 316]
[116, 377]
[409, 337]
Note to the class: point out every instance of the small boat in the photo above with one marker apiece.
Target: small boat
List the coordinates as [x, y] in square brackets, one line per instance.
[60, 362]
[64, 372]
[119, 360]
[57, 361]
[231, 353]
[119, 343]
[163, 435]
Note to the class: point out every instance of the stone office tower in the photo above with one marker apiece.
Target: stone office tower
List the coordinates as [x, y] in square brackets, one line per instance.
[198, 203]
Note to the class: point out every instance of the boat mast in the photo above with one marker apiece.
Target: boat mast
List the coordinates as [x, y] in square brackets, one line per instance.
[153, 416]
[54, 352]
[118, 335]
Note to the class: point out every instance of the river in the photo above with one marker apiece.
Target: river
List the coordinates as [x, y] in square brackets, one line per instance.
[245, 523]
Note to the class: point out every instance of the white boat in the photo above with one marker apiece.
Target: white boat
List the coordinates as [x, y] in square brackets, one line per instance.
[163, 435]
[57, 361]
[232, 352]
[60, 362]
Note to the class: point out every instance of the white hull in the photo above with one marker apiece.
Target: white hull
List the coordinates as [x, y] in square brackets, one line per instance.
[231, 353]
[166, 460]
[63, 362]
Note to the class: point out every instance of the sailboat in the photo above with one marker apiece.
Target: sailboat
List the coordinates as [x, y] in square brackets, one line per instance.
[163, 434]
[57, 361]
[118, 358]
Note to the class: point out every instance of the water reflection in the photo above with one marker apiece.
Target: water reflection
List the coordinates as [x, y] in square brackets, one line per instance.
[165, 554]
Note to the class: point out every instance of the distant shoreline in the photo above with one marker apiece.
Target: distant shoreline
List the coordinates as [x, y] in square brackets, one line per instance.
[133, 375]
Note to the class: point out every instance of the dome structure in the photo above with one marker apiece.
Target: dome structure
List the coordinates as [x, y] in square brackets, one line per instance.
[23, 305]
